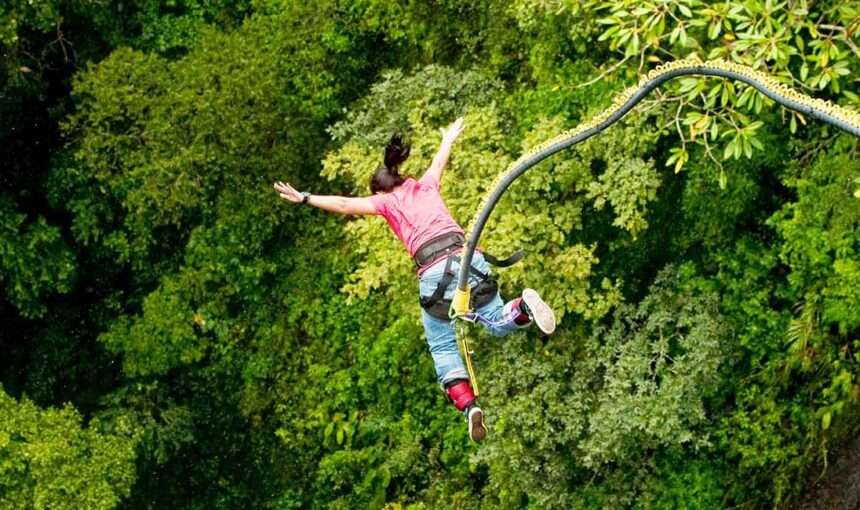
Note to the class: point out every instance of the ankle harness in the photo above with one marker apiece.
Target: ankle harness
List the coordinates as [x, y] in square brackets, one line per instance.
[460, 393]
[445, 245]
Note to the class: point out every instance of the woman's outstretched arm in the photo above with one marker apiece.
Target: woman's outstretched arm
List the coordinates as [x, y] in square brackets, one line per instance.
[440, 160]
[332, 203]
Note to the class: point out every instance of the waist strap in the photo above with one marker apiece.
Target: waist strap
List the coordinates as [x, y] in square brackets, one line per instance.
[436, 247]
[446, 243]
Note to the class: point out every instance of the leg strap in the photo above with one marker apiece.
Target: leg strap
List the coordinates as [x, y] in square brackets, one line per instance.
[447, 277]
[461, 394]
[439, 293]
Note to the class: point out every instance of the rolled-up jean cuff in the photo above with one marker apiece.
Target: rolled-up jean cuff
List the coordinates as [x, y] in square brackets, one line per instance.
[453, 375]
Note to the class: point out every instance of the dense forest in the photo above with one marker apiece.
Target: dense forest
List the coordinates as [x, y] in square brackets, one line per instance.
[175, 336]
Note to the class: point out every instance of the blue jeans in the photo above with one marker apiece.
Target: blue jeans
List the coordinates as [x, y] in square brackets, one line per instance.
[498, 318]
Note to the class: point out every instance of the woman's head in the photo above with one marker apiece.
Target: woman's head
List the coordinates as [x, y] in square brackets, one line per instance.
[387, 176]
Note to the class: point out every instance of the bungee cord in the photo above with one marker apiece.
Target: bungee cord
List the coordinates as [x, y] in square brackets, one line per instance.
[838, 116]
[826, 111]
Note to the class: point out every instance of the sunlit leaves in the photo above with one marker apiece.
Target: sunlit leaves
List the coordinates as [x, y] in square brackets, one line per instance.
[789, 41]
[49, 459]
[742, 141]
[821, 239]
[678, 158]
[628, 185]
[637, 26]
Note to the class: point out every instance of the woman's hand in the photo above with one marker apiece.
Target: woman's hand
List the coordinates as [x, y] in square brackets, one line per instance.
[450, 133]
[288, 193]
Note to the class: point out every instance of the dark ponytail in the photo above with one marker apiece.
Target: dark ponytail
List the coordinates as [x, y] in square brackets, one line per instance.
[387, 176]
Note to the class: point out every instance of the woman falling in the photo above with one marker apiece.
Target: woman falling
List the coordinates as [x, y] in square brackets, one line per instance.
[418, 216]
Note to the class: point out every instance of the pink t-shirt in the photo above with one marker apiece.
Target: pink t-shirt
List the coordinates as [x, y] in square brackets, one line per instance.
[416, 212]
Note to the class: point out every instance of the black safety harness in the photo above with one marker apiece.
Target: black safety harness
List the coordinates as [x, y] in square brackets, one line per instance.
[445, 246]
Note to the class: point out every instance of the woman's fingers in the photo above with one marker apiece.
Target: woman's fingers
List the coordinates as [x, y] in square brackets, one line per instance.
[456, 127]
[284, 187]
[287, 192]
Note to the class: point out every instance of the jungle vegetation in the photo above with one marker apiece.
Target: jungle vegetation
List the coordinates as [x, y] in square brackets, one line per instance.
[174, 336]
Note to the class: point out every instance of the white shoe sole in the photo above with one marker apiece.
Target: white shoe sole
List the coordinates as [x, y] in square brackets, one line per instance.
[477, 430]
[541, 313]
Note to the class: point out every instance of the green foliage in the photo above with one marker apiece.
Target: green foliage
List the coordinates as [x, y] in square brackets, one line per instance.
[155, 25]
[822, 240]
[177, 24]
[818, 231]
[228, 350]
[577, 409]
[162, 187]
[713, 214]
[179, 141]
[166, 339]
[19, 15]
[438, 93]
[807, 45]
[684, 483]
[35, 262]
[659, 363]
[48, 460]
[628, 185]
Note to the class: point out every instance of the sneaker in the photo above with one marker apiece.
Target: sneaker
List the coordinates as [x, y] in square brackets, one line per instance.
[539, 311]
[477, 430]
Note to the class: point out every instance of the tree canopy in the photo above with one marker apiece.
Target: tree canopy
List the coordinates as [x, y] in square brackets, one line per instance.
[176, 336]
